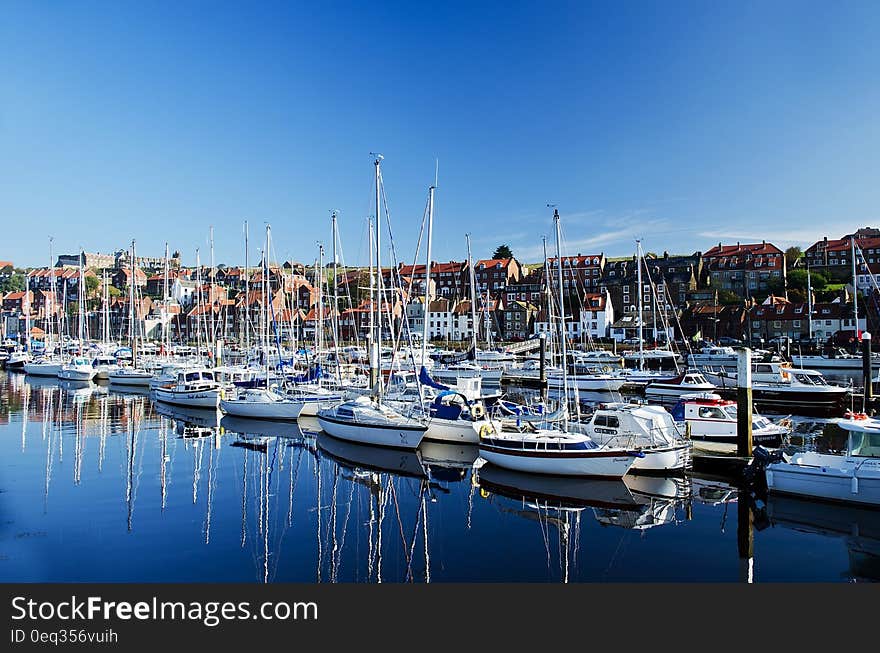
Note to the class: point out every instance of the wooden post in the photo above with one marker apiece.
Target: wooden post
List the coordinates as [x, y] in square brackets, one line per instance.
[744, 403]
[866, 370]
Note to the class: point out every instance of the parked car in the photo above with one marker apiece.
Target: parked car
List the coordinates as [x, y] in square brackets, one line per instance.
[631, 341]
[727, 341]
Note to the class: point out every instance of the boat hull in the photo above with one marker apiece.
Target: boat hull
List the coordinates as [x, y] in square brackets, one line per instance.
[138, 380]
[195, 398]
[672, 458]
[43, 369]
[459, 430]
[824, 482]
[279, 410]
[399, 436]
[558, 462]
[76, 375]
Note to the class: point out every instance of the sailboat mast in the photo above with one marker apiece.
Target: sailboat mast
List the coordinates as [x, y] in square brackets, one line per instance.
[247, 295]
[131, 319]
[855, 287]
[319, 277]
[211, 290]
[473, 285]
[198, 305]
[81, 333]
[562, 343]
[370, 339]
[639, 290]
[809, 305]
[51, 300]
[334, 311]
[549, 294]
[378, 303]
[427, 273]
[166, 322]
[267, 293]
[105, 293]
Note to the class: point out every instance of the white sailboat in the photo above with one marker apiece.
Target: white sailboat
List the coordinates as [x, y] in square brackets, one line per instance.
[49, 364]
[79, 368]
[131, 376]
[557, 452]
[367, 419]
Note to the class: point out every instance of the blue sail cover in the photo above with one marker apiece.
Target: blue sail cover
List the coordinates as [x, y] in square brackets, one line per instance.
[313, 374]
[425, 379]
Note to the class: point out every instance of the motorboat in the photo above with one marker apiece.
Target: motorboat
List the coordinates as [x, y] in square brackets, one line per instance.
[17, 360]
[852, 476]
[713, 356]
[641, 427]
[104, 364]
[78, 368]
[129, 376]
[196, 387]
[779, 386]
[44, 366]
[838, 359]
[711, 418]
[686, 383]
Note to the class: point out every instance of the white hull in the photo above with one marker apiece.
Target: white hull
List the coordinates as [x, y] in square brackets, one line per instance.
[824, 483]
[824, 362]
[615, 466]
[140, 380]
[386, 436]
[589, 383]
[664, 459]
[280, 410]
[458, 430]
[42, 369]
[660, 390]
[196, 398]
[309, 406]
[76, 375]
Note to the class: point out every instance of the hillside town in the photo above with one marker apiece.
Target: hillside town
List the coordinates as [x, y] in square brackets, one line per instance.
[754, 293]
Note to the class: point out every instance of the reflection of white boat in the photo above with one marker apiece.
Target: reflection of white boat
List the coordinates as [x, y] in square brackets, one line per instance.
[853, 476]
[857, 526]
[449, 454]
[712, 492]
[264, 427]
[569, 491]
[371, 458]
[206, 417]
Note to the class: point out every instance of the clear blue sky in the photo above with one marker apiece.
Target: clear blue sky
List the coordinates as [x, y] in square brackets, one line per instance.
[682, 123]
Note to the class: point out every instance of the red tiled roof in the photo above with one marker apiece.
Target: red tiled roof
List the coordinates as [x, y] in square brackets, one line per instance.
[755, 249]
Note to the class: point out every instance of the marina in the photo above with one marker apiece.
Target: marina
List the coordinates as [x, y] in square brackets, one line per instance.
[102, 484]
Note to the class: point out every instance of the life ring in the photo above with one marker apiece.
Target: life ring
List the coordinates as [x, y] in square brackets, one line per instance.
[851, 415]
[486, 430]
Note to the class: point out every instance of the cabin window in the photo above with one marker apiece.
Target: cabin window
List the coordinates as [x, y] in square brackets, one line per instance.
[865, 445]
[711, 412]
[609, 421]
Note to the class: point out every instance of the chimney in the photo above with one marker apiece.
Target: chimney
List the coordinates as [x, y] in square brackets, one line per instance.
[665, 254]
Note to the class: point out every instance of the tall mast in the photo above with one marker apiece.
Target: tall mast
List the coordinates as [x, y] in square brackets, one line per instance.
[247, 295]
[105, 295]
[549, 293]
[211, 291]
[198, 305]
[855, 287]
[427, 274]
[370, 340]
[51, 301]
[473, 285]
[131, 319]
[81, 290]
[377, 306]
[166, 323]
[810, 305]
[267, 293]
[319, 277]
[334, 311]
[562, 343]
[639, 281]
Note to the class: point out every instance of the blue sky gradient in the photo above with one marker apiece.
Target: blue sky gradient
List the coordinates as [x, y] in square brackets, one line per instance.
[682, 123]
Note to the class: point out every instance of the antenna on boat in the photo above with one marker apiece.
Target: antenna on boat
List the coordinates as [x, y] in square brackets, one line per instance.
[436, 171]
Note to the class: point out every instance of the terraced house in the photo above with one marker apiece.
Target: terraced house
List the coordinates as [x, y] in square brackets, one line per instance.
[745, 269]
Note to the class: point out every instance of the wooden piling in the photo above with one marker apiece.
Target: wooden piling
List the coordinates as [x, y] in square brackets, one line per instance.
[744, 403]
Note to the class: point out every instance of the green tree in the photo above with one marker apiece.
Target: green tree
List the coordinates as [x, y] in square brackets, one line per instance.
[792, 254]
[92, 284]
[15, 283]
[502, 251]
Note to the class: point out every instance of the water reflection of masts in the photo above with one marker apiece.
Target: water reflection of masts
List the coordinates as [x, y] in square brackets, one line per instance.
[24, 414]
[135, 413]
[163, 453]
[79, 444]
[212, 482]
[49, 438]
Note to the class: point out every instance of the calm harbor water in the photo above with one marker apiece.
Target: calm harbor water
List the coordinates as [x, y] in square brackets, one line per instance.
[97, 485]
